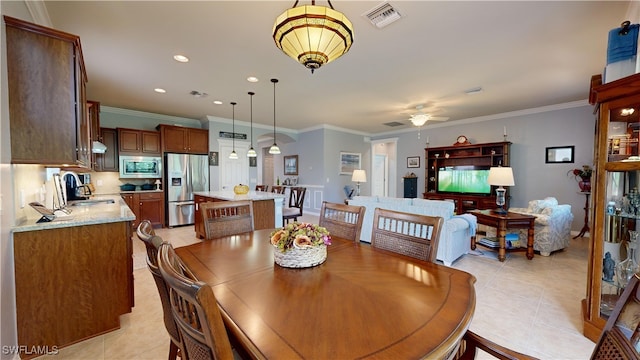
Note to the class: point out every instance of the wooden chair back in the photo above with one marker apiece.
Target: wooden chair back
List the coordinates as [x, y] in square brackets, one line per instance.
[278, 189]
[194, 310]
[152, 243]
[471, 342]
[223, 218]
[296, 204]
[621, 334]
[343, 221]
[407, 234]
[262, 188]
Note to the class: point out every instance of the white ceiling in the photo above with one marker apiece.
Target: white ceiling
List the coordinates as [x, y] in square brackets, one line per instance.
[523, 54]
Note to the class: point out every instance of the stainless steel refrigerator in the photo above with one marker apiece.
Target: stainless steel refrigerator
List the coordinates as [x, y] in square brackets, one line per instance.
[184, 174]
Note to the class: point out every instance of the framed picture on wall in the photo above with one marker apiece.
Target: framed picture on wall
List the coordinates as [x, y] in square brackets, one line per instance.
[253, 162]
[349, 162]
[291, 165]
[213, 158]
[559, 154]
[413, 162]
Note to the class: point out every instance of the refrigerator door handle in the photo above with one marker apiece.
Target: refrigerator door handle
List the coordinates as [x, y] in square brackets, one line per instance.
[185, 203]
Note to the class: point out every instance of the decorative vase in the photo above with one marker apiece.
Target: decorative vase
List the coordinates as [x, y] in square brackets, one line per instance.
[627, 268]
[610, 260]
[585, 184]
[300, 257]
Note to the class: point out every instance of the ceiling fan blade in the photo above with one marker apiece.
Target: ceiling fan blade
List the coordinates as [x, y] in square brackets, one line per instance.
[438, 118]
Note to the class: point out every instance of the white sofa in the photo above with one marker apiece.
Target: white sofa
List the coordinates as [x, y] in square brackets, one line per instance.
[455, 237]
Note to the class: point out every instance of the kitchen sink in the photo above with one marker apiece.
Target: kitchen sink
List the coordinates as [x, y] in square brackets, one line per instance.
[90, 202]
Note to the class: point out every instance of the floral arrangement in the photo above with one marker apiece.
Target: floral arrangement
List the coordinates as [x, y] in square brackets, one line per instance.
[300, 236]
[584, 173]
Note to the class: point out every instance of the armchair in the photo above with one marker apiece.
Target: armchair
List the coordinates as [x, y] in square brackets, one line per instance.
[552, 225]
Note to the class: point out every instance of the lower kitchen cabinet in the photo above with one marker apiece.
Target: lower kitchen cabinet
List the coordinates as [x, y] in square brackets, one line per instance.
[146, 206]
[72, 283]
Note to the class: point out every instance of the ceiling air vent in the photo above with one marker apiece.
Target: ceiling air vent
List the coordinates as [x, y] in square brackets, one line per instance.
[383, 15]
[394, 124]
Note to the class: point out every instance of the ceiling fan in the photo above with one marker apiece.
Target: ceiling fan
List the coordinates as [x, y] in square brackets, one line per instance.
[420, 118]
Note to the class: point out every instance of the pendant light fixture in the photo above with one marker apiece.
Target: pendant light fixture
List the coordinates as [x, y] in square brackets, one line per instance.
[234, 155]
[313, 35]
[274, 149]
[251, 153]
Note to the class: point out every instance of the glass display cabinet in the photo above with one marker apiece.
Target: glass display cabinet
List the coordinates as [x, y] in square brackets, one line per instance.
[614, 252]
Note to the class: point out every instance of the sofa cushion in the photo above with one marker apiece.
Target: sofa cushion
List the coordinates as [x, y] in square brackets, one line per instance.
[536, 206]
[440, 208]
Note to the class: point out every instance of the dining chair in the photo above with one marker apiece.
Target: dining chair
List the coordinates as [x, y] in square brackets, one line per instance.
[223, 218]
[296, 204]
[194, 310]
[406, 233]
[343, 221]
[152, 242]
[264, 188]
[620, 336]
[278, 189]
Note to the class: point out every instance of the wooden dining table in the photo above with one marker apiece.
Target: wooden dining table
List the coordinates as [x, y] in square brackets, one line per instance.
[361, 302]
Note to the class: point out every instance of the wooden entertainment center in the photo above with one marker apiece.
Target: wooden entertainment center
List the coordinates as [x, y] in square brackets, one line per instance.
[489, 154]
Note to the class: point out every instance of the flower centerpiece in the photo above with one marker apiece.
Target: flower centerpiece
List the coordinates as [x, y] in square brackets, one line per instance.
[583, 177]
[299, 245]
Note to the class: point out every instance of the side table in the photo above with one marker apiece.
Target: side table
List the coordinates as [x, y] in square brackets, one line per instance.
[585, 227]
[501, 223]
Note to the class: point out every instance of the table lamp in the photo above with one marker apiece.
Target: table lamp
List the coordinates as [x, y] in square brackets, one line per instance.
[358, 177]
[500, 176]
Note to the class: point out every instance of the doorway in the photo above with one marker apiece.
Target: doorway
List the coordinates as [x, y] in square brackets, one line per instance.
[384, 167]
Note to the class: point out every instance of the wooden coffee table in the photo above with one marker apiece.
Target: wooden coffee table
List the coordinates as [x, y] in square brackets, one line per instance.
[501, 223]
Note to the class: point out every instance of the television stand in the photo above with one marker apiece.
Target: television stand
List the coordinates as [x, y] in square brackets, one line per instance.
[475, 155]
[465, 203]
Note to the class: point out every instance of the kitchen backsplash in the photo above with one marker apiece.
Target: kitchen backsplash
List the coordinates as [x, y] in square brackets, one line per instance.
[109, 182]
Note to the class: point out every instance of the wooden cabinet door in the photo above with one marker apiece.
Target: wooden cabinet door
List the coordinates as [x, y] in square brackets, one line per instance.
[150, 142]
[109, 160]
[129, 141]
[198, 141]
[152, 208]
[41, 62]
[174, 139]
[132, 203]
[198, 221]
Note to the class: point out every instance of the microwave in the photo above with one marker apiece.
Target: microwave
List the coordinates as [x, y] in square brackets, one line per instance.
[140, 167]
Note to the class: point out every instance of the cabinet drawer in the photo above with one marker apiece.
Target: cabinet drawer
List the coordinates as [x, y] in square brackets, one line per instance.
[151, 196]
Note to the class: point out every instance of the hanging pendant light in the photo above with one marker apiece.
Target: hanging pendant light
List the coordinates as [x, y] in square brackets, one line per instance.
[313, 35]
[251, 153]
[234, 155]
[274, 149]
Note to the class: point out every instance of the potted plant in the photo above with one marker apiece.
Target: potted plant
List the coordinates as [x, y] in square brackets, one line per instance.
[583, 177]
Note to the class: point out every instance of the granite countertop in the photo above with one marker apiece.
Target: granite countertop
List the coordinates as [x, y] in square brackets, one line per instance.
[96, 213]
[230, 195]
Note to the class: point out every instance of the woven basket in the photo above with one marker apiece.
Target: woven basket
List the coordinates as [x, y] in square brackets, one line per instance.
[300, 258]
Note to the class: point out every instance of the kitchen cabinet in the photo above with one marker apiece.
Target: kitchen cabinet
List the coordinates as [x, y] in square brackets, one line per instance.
[616, 199]
[178, 139]
[47, 103]
[93, 118]
[109, 160]
[139, 142]
[146, 206]
[72, 283]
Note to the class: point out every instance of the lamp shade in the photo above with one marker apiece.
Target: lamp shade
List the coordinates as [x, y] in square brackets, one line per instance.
[359, 176]
[313, 35]
[500, 176]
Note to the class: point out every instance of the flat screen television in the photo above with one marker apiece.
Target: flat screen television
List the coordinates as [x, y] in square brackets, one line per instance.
[464, 180]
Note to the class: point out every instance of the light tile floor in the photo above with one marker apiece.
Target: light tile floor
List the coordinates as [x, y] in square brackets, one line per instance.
[529, 306]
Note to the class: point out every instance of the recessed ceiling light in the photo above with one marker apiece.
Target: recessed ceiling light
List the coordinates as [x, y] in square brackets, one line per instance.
[252, 79]
[627, 112]
[217, 102]
[160, 90]
[181, 58]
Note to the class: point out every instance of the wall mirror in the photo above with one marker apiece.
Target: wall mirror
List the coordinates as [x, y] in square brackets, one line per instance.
[559, 154]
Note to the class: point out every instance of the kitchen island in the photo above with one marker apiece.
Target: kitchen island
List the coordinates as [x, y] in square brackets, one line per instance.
[73, 275]
[267, 207]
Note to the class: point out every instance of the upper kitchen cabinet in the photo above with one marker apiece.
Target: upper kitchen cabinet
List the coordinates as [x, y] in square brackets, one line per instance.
[109, 160]
[178, 139]
[139, 142]
[47, 101]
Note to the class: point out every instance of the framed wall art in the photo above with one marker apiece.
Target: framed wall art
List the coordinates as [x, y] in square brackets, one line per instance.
[413, 162]
[253, 162]
[213, 158]
[291, 165]
[559, 154]
[349, 162]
